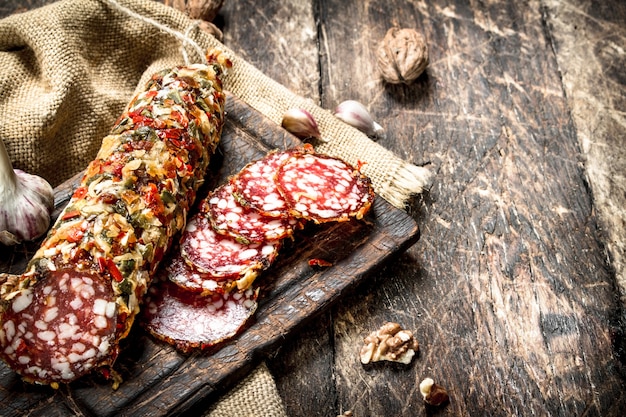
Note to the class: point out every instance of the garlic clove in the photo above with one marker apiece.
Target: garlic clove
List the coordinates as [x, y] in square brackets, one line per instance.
[356, 115]
[301, 123]
[379, 132]
[8, 239]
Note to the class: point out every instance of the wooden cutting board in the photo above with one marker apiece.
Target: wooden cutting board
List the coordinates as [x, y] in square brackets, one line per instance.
[158, 380]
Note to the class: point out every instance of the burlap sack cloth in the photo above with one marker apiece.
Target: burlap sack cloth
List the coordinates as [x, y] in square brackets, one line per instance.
[69, 69]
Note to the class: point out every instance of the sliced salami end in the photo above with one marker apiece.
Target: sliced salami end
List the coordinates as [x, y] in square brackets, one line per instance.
[246, 224]
[254, 185]
[60, 328]
[223, 256]
[322, 189]
[190, 321]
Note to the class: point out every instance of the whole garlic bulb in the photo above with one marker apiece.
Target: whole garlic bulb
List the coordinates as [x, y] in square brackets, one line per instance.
[27, 203]
[402, 55]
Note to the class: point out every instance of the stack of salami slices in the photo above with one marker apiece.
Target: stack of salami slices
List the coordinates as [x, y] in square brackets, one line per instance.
[205, 294]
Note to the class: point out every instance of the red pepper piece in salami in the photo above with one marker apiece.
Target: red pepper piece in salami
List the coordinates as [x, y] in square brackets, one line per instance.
[245, 224]
[75, 312]
[321, 188]
[189, 278]
[223, 256]
[190, 321]
[254, 185]
[322, 263]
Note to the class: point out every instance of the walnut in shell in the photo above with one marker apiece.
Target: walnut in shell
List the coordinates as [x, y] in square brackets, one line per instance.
[402, 55]
[211, 29]
[389, 343]
[197, 9]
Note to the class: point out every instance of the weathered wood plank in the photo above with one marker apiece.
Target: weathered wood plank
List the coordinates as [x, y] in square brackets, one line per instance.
[280, 38]
[589, 43]
[505, 290]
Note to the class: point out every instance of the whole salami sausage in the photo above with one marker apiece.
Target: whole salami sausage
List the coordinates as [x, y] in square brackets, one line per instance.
[80, 294]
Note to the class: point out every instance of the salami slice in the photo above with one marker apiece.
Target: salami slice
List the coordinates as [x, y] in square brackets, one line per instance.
[321, 188]
[254, 185]
[245, 224]
[190, 321]
[73, 311]
[223, 256]
[191, 279]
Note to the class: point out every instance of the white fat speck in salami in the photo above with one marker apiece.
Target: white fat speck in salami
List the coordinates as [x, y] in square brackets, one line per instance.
[246, 224]
[189, 321]
[255, 185]
[223, 256]
[42, 315]
[322, 189]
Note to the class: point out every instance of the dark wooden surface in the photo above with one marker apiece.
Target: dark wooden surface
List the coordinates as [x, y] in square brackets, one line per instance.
[514, 287]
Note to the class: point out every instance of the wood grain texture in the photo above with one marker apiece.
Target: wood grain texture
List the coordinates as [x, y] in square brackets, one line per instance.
[280, 37]
[509, 290]
[513, 290]
[590, 42]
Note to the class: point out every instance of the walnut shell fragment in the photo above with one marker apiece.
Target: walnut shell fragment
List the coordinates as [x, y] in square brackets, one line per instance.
[389, 343]
[402, 55]
[434, 394]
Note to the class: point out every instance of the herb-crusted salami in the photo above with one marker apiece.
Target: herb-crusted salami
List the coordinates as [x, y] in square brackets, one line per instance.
[132, 200]
[321, 188]
[189, 320]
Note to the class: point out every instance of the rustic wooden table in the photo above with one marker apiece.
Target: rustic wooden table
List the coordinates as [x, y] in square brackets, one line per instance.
[513, 290]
